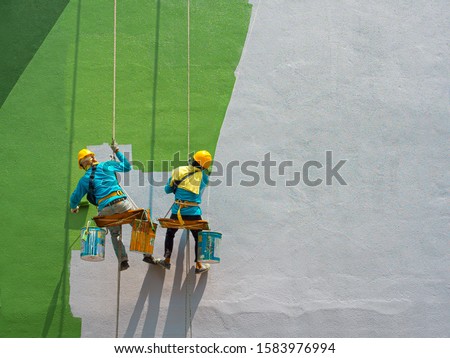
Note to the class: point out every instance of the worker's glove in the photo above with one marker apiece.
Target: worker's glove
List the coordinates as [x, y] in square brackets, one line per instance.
[114, 146]
[76, 210]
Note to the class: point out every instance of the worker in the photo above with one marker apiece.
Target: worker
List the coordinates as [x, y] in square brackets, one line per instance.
[187, 183]
[105, 192]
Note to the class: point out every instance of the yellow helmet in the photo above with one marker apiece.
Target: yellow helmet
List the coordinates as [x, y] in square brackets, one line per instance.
[204, 158]
[83, 153]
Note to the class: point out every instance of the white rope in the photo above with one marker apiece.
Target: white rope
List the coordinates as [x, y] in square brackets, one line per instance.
[119, 242]
[114, 74]
[188, 311]
[113, 139]
[188, 77]
[188, 316]
[114, 93]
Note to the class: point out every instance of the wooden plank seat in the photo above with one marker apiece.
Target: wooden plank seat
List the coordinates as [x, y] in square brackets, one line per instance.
[119, 219]
[188, 224]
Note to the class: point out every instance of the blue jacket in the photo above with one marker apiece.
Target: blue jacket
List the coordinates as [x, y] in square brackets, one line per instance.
[105, 181]
[187, 195]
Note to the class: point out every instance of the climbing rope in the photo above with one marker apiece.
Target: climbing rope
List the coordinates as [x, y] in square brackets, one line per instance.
[119, 243]
[188, 311]
[114, 93]
[188, 77]
[188, 315]
[119, 239]
[114, 74]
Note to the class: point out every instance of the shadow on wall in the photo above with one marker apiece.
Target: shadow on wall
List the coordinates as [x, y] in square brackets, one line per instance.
[71, 221]
[151, 291]
[177, 322]
[24, 25]
[60, 290]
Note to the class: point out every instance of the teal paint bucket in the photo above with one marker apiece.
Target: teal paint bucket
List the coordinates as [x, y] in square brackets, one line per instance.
[209, 247]
[92, 244]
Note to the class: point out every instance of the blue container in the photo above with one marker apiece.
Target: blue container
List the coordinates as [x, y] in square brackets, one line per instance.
[93, 244]
[209, 247]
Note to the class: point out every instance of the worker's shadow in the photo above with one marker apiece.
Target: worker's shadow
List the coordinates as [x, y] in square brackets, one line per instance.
[151, 292]
[176, 324]
[71, 222]
[186, 295]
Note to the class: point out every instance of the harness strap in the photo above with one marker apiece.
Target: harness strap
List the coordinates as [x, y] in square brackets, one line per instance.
[110, 195]
[181, 205]
[91, 179]
[176, 183]
[90, 195]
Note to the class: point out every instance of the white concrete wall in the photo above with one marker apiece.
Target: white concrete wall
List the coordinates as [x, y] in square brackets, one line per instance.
[367, 81]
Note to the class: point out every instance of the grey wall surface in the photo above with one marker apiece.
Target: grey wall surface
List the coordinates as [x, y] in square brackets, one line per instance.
[366, 82]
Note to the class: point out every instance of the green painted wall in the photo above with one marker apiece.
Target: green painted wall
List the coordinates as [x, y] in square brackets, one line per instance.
[56, 97]
[23, 27]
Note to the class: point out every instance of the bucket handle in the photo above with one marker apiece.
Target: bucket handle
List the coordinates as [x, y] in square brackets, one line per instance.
[149, 216]
[86, 232]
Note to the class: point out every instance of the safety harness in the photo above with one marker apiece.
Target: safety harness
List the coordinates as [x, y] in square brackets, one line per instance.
[181, 203]
[90, 195]
[176, 183]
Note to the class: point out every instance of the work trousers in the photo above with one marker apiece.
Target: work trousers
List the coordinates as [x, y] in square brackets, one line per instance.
[170, 234]
[120, 207]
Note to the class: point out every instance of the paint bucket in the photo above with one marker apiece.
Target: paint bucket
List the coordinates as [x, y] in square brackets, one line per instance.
[209, 247]
[92, 243]
[143, 236]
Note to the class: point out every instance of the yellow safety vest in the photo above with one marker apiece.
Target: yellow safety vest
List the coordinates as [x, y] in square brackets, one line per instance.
[191, 183]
